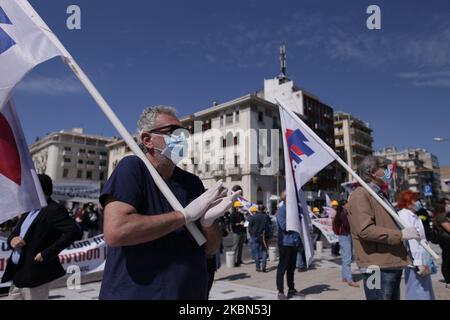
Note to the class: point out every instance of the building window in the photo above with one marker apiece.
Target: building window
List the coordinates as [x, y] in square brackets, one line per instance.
[102, 163]
[260, 116]
[89, 175]
[207, 145]
[229, 118]
[90, 162]
[65, 172]
[230, 138]
[102, 175]
[224, 142]
[67, 160]
[237, 115]
[206, 125]
[80, 161]
[236, 161]
[236, 139]
[221, 120]
[195, 167]
[79, 174]
[67, 149]
[91, 152]
[207, 166]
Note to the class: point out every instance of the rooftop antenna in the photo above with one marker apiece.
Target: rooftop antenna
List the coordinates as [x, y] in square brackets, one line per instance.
[282, 75]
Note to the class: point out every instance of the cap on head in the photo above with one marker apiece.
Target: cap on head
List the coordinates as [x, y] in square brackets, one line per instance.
[237, 204]
[334, 203]
[253, 209]
[316, 210]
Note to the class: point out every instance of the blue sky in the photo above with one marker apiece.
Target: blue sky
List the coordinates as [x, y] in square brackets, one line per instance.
[189, 53]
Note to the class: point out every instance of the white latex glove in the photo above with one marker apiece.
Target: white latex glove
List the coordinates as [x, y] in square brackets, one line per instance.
[197, 208]
[218, 208]
[423, 271]
[410, 233]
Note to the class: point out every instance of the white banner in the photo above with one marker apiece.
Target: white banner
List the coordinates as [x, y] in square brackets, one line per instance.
[89, 255]
[325, 225]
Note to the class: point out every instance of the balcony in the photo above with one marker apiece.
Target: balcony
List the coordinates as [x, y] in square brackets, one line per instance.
[218, 173]
[102, 168]
[66, 153]
[234, 171]
[361, 145]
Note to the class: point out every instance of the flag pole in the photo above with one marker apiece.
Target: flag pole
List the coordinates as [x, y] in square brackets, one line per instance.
[391, 212]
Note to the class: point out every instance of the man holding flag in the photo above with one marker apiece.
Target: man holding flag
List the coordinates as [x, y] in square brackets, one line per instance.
[376, 227]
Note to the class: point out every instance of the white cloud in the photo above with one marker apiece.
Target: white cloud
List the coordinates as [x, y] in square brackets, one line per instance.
[50, 85]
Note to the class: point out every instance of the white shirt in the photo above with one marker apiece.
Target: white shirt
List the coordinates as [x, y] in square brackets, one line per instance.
[412, 220]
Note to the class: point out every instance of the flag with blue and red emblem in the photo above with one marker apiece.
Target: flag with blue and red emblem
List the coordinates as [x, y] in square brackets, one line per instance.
[304, 157]
[25, 41]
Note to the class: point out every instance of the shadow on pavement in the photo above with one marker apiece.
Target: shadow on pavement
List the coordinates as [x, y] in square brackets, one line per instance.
[234, 277]
[317, 289]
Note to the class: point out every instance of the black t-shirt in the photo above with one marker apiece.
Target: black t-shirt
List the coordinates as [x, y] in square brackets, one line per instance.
[171, 267]
[237, 217]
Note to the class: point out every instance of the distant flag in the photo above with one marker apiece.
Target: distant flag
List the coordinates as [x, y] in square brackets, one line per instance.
[25, 41]
[327, 200]
[245, 203]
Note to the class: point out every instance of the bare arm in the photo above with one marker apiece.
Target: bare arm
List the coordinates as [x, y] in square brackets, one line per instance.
[446, 226]
[123, 226]
[213, 238]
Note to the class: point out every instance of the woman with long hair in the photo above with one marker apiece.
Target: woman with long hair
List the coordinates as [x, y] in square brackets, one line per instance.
[441, 222]
[418, 275]
[341, 228]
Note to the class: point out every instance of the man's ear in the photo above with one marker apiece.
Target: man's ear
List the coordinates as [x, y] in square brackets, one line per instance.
[147, 142]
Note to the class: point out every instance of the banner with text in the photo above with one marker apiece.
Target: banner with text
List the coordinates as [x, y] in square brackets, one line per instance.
[89, 255]
[326, 227]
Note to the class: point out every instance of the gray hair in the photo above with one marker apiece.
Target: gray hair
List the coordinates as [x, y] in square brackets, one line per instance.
[148, 117]
[369, 165]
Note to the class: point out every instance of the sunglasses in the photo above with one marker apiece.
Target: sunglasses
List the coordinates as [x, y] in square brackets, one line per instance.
[169, 129]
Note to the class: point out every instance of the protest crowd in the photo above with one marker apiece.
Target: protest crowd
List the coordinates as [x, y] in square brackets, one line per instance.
[164, 231]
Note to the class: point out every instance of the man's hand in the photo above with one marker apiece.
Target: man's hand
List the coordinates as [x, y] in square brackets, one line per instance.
[197, 208]
[39, 257]
[218, 209]
[17, 242]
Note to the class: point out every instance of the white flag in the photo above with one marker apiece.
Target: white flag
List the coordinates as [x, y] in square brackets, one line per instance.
[25, 41]
[304, 157]
[20, 190]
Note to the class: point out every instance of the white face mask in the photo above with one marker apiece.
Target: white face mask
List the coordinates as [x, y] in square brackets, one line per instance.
[176, 147]
[447, 208]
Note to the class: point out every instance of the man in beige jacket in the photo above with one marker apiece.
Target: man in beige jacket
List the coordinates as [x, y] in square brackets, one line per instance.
[377, 239]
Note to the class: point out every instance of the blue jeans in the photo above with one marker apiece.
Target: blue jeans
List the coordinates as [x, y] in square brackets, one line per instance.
[389, 285]
[301, 257]
[345, 243]
[260, 254]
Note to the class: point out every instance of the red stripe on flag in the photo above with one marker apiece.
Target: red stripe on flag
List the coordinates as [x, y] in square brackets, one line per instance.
[9, 154]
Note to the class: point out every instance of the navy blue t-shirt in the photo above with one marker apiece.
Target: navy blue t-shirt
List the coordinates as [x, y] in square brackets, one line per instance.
[171, 267]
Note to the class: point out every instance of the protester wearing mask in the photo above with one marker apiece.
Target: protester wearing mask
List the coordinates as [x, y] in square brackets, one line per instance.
[418, 275]
[151, 255]
[377, 239]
